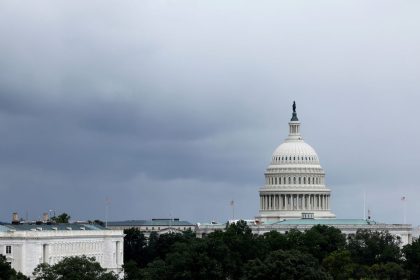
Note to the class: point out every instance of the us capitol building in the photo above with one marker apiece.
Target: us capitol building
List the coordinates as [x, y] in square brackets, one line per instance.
[294, 181]
[295, 196]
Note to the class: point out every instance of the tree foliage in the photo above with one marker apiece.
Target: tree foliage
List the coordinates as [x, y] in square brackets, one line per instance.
[321, 252]
[291, 264]
[63, 218]
[73, 268]
[367, 247]
[8, 273]
[411, 254]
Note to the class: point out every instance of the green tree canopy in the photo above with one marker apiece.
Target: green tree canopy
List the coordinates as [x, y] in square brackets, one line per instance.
[321, 240]
[8, 273]
[282, 264]
[135, 247]
[411, 254]
[370, 247]
[63, 218]
[73, 268]
[237, 254]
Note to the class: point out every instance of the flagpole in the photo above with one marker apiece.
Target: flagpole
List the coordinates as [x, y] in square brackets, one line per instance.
[364, 205]
[233, 210]
[403, 199]
[107, 203]
[232, 203]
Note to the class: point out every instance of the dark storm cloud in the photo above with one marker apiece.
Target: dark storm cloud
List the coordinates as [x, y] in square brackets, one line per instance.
[174, 108]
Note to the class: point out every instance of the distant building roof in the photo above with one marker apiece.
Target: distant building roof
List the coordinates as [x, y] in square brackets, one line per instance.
[153, 222]
[325, 222]
[28, 227]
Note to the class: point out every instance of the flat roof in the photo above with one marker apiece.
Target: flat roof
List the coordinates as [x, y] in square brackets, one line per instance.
[325, 222]
[33, 226]
[153, 222]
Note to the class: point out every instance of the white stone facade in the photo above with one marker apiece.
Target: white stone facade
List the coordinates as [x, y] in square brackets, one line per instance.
[294, 182]
[25, 249]
[349, 227]
[159, 226]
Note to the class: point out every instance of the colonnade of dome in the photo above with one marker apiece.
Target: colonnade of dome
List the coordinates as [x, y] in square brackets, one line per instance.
[295, 201]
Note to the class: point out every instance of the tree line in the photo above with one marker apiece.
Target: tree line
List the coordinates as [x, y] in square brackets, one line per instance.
[321, 252]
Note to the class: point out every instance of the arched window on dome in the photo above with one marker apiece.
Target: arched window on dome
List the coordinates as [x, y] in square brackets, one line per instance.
[300, 182]
[304, 180]
[294, 158]
[284, 180]
[313, 180]
[290, 180]
[275, 180]
[290, 158]
[279, 180]
[294, 180]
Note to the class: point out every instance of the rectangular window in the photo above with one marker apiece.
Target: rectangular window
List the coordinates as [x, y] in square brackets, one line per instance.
[8, 249]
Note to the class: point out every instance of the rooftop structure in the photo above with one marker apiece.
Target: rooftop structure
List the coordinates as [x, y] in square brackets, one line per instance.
[160, 226]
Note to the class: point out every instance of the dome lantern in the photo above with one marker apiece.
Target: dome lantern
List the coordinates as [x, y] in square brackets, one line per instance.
[294, 125]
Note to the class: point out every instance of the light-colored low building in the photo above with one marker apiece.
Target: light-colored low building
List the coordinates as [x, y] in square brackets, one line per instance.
[347, 226]
[160, 226]
[28, 245]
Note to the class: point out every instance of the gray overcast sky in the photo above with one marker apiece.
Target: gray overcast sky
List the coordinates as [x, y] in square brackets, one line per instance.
[173, 108]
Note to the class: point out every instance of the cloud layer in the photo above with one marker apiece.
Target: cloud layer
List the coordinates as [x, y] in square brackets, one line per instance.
[173, 108]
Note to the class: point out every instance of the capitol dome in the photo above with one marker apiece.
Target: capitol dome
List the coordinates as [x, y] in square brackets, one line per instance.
[294, 181]
[296, 152]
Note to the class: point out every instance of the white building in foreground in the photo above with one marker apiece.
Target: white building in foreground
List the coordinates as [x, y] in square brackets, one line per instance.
[295, 195]
[27, 245]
